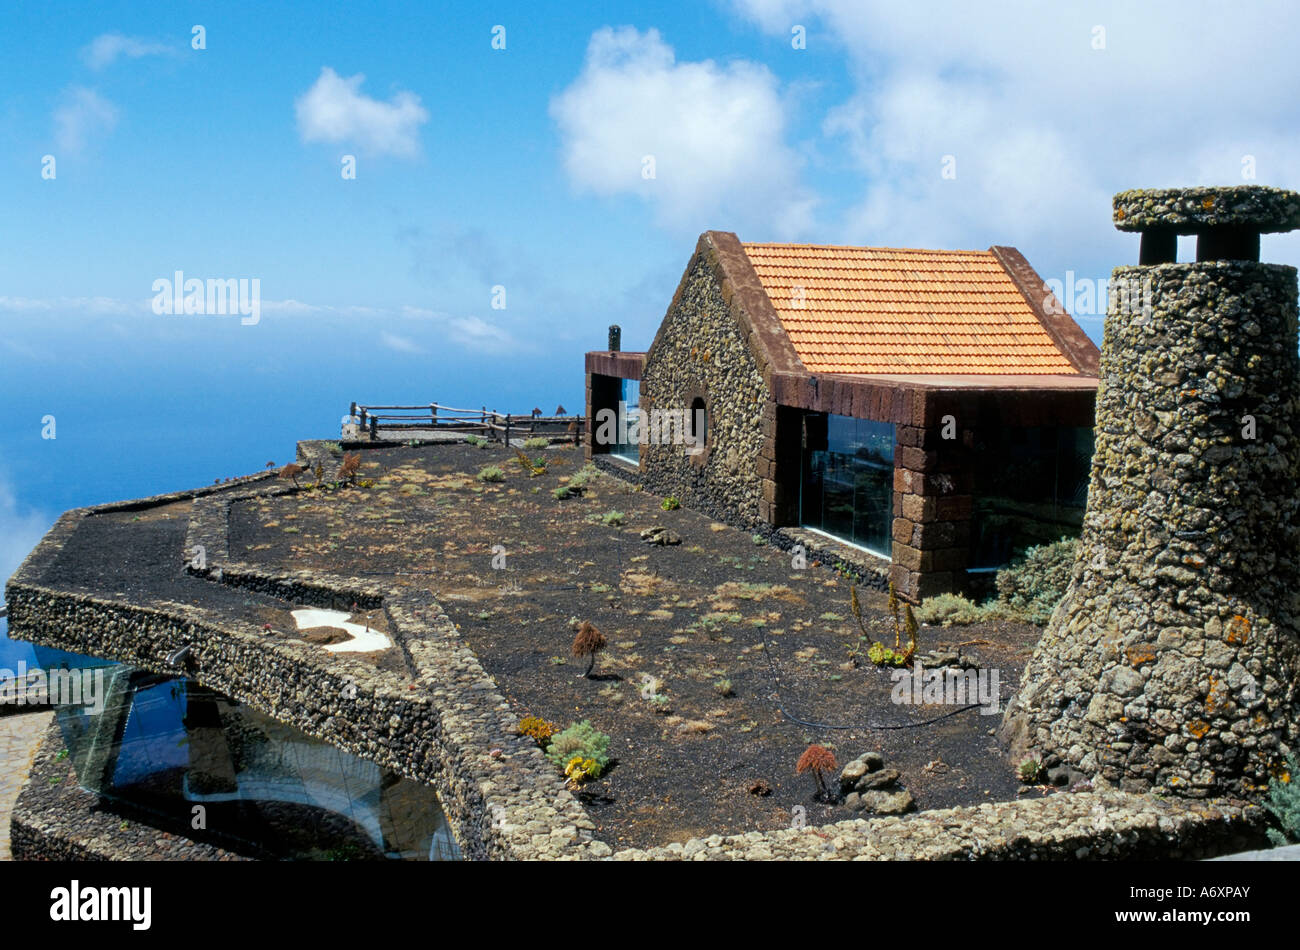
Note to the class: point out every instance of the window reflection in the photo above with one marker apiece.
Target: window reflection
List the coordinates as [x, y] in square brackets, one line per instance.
[165, 745]
[848, 479]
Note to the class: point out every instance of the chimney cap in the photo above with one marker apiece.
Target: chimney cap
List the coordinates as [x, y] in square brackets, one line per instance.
[1197, 210]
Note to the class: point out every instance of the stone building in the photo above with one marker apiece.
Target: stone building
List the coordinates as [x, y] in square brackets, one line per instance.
[928, 413]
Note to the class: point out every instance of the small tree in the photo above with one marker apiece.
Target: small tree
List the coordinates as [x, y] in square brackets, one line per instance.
[292, 471]
[820, 761]
[351, 465]
[588, 642]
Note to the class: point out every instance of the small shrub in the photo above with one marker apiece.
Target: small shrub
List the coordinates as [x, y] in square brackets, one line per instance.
[613, 518]
[491, 473]
[670, 503]
[1030, 771]
[532, 445]
[565, 491]
[1035, 585]
[583, 477]
[1284, 803]
[723, 688]
[948, 609]
[334, 449]
[477, 441]
[539, 730]
[587, 642]
[579, 770]
[580, 741]
[351, 465]
[882, 655]
[759, 539]
[820, 761]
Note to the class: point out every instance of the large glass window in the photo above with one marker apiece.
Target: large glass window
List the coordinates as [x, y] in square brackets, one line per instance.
[1030, 487]
[629, 404]
[847, 487]
[164, 745]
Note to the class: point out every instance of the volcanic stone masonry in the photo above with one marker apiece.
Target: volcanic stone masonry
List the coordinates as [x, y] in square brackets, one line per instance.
[1172, 661]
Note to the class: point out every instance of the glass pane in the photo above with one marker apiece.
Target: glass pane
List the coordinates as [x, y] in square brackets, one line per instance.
[1030, 487]
[162, 745]
[628, 447]
[847, 489]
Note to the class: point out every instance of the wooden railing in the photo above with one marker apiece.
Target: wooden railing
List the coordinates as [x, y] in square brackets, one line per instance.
[376, 420]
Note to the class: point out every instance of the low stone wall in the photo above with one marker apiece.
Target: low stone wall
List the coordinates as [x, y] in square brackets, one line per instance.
[1107, 825]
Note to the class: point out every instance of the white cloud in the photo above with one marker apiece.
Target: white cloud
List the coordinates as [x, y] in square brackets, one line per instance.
[477, 333]
[716, 134]
[82, 114]
[1044, 127]
[105, 49]
[470, 332]
[20, 530]
[335, 110]
[399, 343]
[94, 306]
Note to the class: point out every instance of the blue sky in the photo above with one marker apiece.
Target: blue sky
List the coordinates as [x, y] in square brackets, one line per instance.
[523, 168]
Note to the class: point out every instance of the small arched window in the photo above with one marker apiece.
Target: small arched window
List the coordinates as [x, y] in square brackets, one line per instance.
[698, 423]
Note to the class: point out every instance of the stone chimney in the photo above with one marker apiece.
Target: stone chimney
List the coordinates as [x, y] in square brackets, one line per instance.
[1174, 659]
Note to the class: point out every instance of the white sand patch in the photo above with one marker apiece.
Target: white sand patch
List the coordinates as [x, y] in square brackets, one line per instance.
[363, 640]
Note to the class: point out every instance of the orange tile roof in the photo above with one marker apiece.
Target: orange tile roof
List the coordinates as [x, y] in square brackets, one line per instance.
[887, 310]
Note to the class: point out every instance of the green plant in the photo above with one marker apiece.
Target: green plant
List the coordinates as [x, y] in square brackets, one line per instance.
[948, 609]
[670, 503]
[882, 655]
[723, 687]
[477, 441]
[1033, 586]
[581, 740]
[1284, 803]
[491, 473]
[532, 445]
[878, 653]
[579, 770]
[539, 730]
[1030, 771]
[565, 491]
[333, 448]
[759, 539]
[613, 518]
[583, 478]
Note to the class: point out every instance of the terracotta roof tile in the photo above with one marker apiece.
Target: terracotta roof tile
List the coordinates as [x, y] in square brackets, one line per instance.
[902, 311]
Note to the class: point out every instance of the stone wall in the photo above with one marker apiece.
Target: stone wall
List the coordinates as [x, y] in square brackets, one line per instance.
[701, 351]
[1173, 660]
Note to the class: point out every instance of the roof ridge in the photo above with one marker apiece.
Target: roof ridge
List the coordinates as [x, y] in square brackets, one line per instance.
[985, 252]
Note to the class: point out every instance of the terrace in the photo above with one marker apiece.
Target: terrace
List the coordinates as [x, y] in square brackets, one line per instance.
[727, 657]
